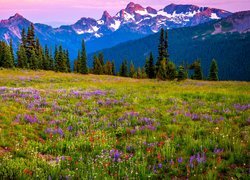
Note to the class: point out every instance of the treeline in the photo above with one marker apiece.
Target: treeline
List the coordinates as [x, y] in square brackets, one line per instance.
[162, 69]
[31, 55]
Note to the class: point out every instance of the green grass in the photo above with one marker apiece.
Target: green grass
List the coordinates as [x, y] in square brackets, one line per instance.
[56, 125]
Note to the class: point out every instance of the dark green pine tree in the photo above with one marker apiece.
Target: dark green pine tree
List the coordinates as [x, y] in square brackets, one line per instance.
[147, 66]
[124, 69]
[46, 59]
[77, 63]
[7, 57]
[12, 52]
[56, 59]
[161, 73]
[132, 71]
[196, 66]
[24, 38]
[83, 60]
[213, 75]
[2, 46]
[34, 64]
[113, 68]
[39, 55]
[67, 61]
[101, 58]
[30, 41]
[97, 66]
[61, 60]
[166, 47]
[161, 49]
[51, 61]
[181, 73]
[21, 57]
[170, 70]
[151, 67]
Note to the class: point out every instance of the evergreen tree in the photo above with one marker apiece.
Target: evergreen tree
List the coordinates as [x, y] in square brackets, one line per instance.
[30, 41]
[139, 73]
[46, 59]
[2, 47]
[67, 61]
[166, 47]
[21, 57]
[61, 60]
[170, 70]
[124, 69]
[24, 38]
[147, 66]
[33, 60]
[97, 66]
[83, 60]
[196, 66]
[39, 55]
[113, 68]
[51, 61]
[7, 57]
[161, 74]
[101, 58]
[213, 75]
[108, 68]
[77, 63]
[131, 70]
[12, 52]
[162, 54]
[151, 67]
[181, 73]
[143, 73]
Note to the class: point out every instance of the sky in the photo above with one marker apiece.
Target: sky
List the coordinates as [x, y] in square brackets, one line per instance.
[61, 12]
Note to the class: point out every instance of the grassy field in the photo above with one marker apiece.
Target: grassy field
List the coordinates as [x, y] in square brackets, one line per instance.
[69, 126]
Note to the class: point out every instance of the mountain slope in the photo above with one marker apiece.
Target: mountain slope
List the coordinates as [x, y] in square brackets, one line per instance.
[130, 23]
[226, 40]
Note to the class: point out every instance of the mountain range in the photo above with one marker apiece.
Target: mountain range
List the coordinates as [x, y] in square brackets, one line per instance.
[131, 23]
[227, 40]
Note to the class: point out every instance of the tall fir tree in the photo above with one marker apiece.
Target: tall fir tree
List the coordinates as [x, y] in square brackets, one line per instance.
[161, 73]
[108, 68]
[181, 74]
[124, 69]
[113, 68]
[33, 60]
[170, 70]
[161, 49]
[21, 57]
[7, 57]
[12, 52]
[67, 61]
[196, 66]
[97, 66]
[151, 67]
[83, 60]
[213, 75]
[132, 70]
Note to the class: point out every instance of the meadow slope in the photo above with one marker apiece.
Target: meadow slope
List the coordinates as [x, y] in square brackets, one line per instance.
[70, 126]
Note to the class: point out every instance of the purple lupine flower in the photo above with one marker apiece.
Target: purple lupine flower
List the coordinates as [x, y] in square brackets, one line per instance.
[116, 156]
[63, 158]
[30, 119]
[180, 160]
[160, 165]
[70, 128]
[240, 107]
[195, 117]
[218, 151]
[192, 158]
